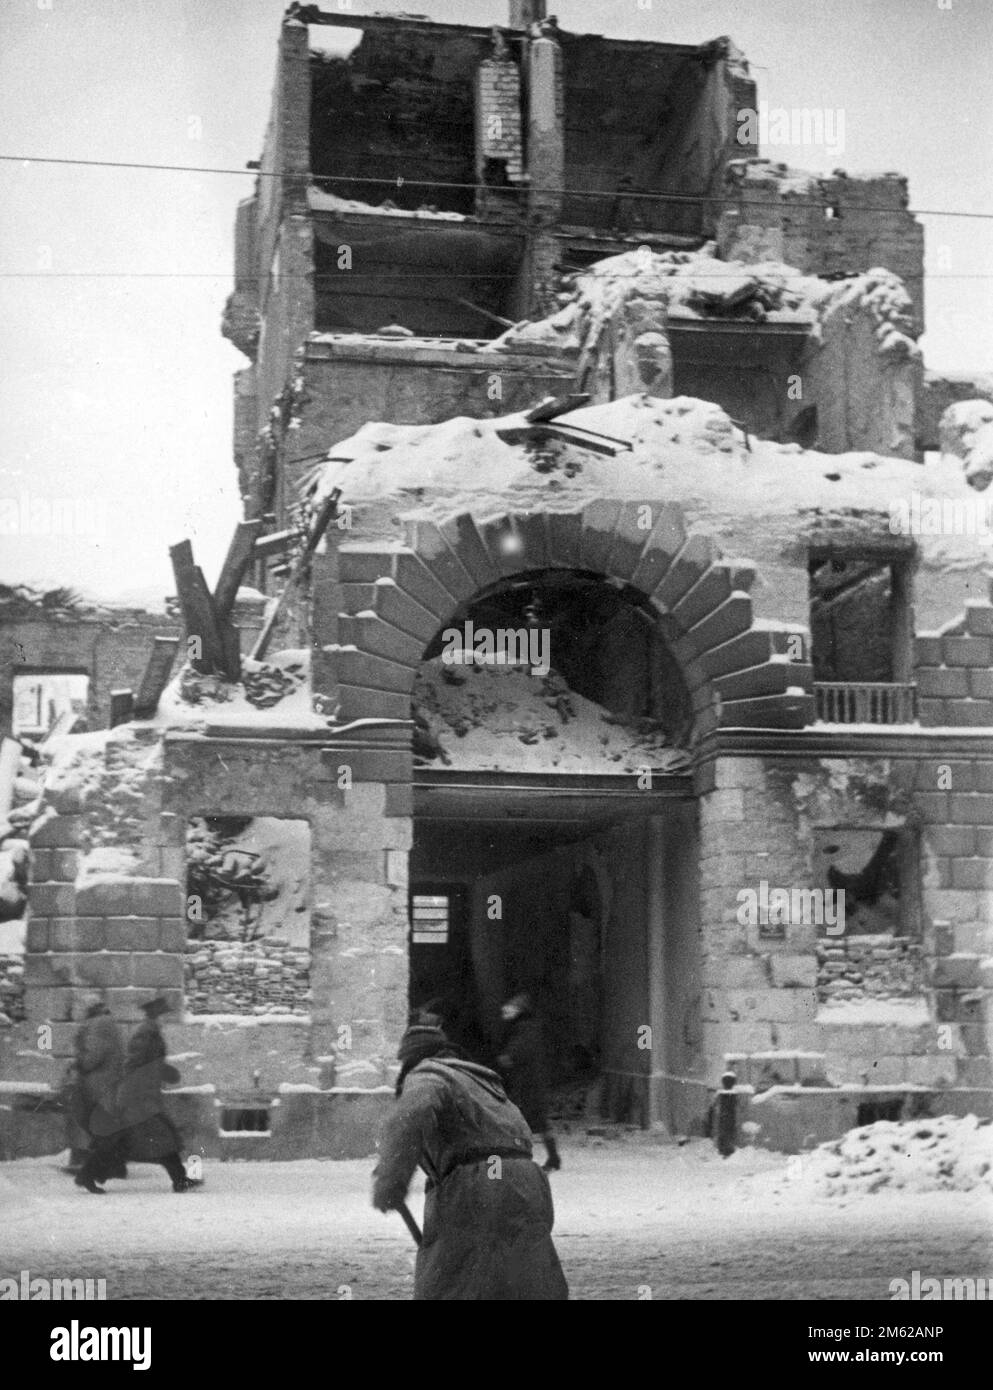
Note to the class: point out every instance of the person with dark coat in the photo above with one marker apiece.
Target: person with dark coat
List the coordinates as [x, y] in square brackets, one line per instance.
[522, 1066]
[97, 1069]
[136, 1125]
[488, 1212]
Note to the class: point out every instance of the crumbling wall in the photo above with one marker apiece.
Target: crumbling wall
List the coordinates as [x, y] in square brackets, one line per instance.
[112, 649]
[761, 996]
[864, 372]
[826, 226]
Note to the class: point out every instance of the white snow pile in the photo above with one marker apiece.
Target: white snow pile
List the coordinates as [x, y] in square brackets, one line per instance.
[491, 717]
[944, 1154]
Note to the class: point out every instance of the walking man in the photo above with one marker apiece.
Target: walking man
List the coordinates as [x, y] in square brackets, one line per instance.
[488, 1207]
[522, 1065]
[137, 1127]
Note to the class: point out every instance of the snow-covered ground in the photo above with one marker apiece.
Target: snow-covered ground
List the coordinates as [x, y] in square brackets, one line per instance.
[631, 1216]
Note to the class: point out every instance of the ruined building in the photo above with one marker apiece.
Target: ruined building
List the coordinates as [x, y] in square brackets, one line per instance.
[537, 347]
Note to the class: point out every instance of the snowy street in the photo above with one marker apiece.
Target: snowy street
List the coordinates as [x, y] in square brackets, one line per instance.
[634, 1220]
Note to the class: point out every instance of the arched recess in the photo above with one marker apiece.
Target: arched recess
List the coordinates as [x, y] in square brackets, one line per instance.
[740, 671]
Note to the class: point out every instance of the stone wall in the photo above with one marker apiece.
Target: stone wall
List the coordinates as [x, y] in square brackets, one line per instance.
[952, 671]
[762, 996]
[774, 213]
[112, 649]
[246, 977]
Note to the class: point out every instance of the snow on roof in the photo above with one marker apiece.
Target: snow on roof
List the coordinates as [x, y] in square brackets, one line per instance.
[682, 450]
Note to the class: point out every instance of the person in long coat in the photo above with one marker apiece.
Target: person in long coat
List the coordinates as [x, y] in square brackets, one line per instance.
[136, 1126]
[97, 1069]
[522, 1066]
[488, 1212]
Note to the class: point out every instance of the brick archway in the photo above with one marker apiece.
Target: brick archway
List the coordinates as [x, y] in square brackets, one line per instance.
[740, 672]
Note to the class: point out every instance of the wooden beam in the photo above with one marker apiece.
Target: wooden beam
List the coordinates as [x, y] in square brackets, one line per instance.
[156, 676]
[329, 510]
[198, 611]
[239, 557]
[277, 543]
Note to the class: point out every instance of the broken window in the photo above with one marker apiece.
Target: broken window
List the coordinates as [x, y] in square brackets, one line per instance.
[860, 618]
[44, 698]
[870, 943]
[248, 915]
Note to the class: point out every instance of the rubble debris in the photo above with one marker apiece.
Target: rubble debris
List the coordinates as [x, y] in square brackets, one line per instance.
[489, 716]
[927, 1155]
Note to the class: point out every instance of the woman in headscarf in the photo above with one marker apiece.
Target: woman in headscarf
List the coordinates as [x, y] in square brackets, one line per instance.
[488, 1206]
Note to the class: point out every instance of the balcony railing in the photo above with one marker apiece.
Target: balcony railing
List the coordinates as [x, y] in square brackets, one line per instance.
[865, 702]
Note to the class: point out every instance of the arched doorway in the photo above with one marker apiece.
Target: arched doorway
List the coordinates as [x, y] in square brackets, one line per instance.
[551, 724]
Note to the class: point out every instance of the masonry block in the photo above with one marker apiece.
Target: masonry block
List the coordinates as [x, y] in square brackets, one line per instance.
[356, 668]
[51, 899]
[635, 523]
[978, 619]
[426, 539]
[76, 934]
[564, 531]
[954, 840]
[36, 935]
[365, 563]
[664, 545]
[423, 586]
[464, 539]
[958, 971]
[172, 934]
[99, 969]
[132, 933]
[967, 651]
[59, 832]
[396, 607]
[793, 971]
[941, 683]
[692, 562]
[159, 970]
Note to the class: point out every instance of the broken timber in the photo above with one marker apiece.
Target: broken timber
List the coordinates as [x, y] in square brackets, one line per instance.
[213, 655]
[327, 513]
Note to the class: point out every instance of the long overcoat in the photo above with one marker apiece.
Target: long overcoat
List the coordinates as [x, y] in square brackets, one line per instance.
[488, 1207]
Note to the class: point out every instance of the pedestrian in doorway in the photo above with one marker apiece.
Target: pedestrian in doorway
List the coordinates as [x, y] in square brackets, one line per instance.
[522, 1066]
[488, 1212]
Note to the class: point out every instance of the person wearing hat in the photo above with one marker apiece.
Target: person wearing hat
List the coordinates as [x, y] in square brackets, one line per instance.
[138, 1127]
[488, 1212]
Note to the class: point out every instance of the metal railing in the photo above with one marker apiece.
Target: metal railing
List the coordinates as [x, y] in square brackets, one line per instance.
[865, 702]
